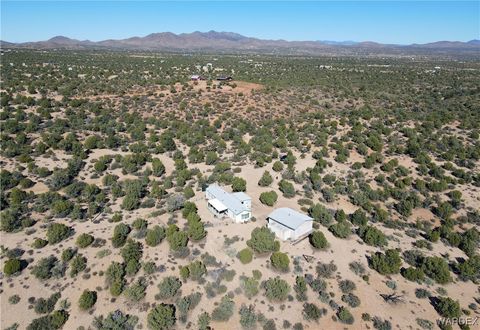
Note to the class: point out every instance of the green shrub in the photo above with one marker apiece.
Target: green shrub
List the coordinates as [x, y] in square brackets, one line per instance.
[39, 243]
[385, 264]
[341, 229]
[413, 274]
[161, 316]
[311, 312]
[168, 288]
[84, 240]
[286, 188]
[52, 321]
[248, 317]
[372, 236]
[77, 265]
[155, 236]
[318, 240]
[345, 316]
[224, 311]
[276, 289]
[262, 240]
[268, 198]
[437, 269]
[280, 261]
[87, 299]
[265, 180]
[57, 232]
[12, 266]
[245, 255]
[447, 307]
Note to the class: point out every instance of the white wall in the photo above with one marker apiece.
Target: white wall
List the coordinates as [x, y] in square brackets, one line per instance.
[304, 229]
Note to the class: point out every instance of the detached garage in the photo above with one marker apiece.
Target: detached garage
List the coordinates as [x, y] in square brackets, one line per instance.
[289, 224]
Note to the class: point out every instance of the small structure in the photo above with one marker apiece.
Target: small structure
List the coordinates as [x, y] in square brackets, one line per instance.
[289, 224]
[224, 78]
[196, 77]
[236, 206]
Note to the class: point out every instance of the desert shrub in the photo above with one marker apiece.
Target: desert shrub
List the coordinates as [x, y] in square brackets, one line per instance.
[87, 299]
[326, 270]
[318, 240]
[57, 232]
[161, 316]
[186, 304]
[276, 289]
[277, 166]
[280, 261]
[136, 291]
[413, 274]
[224, 311]
[39, 243]
[196, 231]
[115, 278]
[239, 184]
[447, 307]
[140, 224]
[300, 288]
[357, 268]
[155, 236]
[437, 269]
[286, 188]
[385, 264]
[77, 265]
[262, 240]
[115, 320]
[268, 198]
[311, 312]
[265, 180]
[168, 288]
[120, 234]
[245, 255]
[15, 299]
[469, 269]
[341, 229]
[359, 218]
[380, 324]
[158, 169]
[346, 286]
[12, 266]
[132, 254]
[320, 214]
[351, 300]
[345, 316]
[84, 240]
[248, 317]
[177, 239]
[372, 236]
[196, 270]
[45, 306]
[43, 269]
[52, 321]
[68, 254]
[203, 322]
[249, 286]
[422, 293]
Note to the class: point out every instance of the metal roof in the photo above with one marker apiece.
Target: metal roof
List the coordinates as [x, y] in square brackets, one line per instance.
[241, 196]
[229, 200]
[219, 206]
[288, 217]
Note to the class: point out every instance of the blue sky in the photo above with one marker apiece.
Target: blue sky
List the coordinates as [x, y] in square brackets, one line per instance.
[382, 21]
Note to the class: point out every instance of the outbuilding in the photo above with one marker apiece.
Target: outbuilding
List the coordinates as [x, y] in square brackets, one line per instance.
[289, 224]
[236, 206]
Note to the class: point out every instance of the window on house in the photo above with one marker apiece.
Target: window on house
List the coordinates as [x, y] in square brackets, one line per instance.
[245, 216]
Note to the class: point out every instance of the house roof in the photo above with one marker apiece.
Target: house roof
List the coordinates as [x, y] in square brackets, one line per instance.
[289, 218]
[241, 196]
[229, 200]
[219, 206]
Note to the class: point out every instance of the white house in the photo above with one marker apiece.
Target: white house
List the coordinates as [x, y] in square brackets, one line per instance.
[289, 224]
[237, 206]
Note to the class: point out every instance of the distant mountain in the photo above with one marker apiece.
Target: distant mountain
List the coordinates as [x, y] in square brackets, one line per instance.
[213, 41]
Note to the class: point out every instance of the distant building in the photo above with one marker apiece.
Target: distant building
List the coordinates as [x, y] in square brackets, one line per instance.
[196, 77]
[224, 78]
[237, 206]
[289, 224]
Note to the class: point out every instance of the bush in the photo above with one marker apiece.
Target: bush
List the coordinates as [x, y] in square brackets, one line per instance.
[195, 270]
[43, 269]
[39, 243]
[262, 240]
[168, 288]
[115, 320]
[265, 180]
[351, 300]
[155, 236]
[136, 291]
[346, 286]
[161, 317]
[277, 166]
[386, 264]
[12, 266]
[345, 316]
[248, 317]
[286, 188]
[52, 321]
[203, 322]
[120, 234]
[300, 288]
[372, 236]
[437, 269]
[245, 255]
[77, 265]
[311, 312]
[196, 231]
[326, 270]
[276, 289]
[341, 229]
[177, 239]
[84, 240]
[280, 261]
[447, 307]
[239, 184]
[250, 287]
[224, 311]
[45, 306]
[413, 274]
[268, 198]
[57, 232]
[87, 299]
[318, 240]
[320, 214]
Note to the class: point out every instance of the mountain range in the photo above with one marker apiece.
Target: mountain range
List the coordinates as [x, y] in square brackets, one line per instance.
[213, 41]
